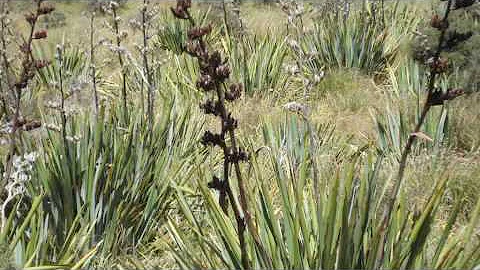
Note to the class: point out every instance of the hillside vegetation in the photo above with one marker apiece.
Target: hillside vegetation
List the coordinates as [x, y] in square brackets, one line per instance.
[240, 135]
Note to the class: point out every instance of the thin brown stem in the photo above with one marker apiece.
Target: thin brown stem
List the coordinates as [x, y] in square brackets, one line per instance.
[121, 62]
[146, 68]
[92, 64]
[63, 114]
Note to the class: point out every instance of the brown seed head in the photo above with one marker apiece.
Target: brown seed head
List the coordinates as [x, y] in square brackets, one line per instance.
[234, 92]
[210, 139]
[40, 34]
[222, 72]
[46, 9]
[199, 32]
[31, 18]
[438, 23]
[439, 66]
[205, 82]
[41, 63]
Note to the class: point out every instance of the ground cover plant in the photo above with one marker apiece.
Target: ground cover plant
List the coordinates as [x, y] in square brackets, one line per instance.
[240, 135]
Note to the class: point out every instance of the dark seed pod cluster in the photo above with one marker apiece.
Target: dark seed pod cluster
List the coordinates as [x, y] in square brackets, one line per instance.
[214, 72]
[213, 80]
[448, 42]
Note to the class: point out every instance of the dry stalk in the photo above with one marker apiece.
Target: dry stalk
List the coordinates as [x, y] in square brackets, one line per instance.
[438, 65]
[215, 71]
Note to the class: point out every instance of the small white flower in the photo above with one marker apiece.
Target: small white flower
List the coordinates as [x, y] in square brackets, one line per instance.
[296, 108]
[53, 127]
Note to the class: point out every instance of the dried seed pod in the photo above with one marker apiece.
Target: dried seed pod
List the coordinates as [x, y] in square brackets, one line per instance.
[230, 123]
[439, 65]
[206, 82]
[438, 97]
[211, 107]
[46, 9]
[40, 34]
[185, 4]
[199, 32]
[31, 125]
[217, 184]
[222, 72]
[438, 23]
[41, 63]
[210, 139]
[31, 18]
[240, 156]
[235, 92]
[179, 13]
[193, 48]
[181, 10]
[215, 60]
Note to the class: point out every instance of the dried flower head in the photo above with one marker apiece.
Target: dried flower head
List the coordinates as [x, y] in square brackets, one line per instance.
[181, 10]
[222, 72]
[217, 184]
[205, 82]
[46, 9]
[211, 107]
[438, 23]
[235, 92]
[215, 60]
[230, 123]
[438, 96]
[194, 48]
[438, 66]
[41, 63]
[199, 32]
[34, 124]
[40, 34]
[211, 139]
[31, 18]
